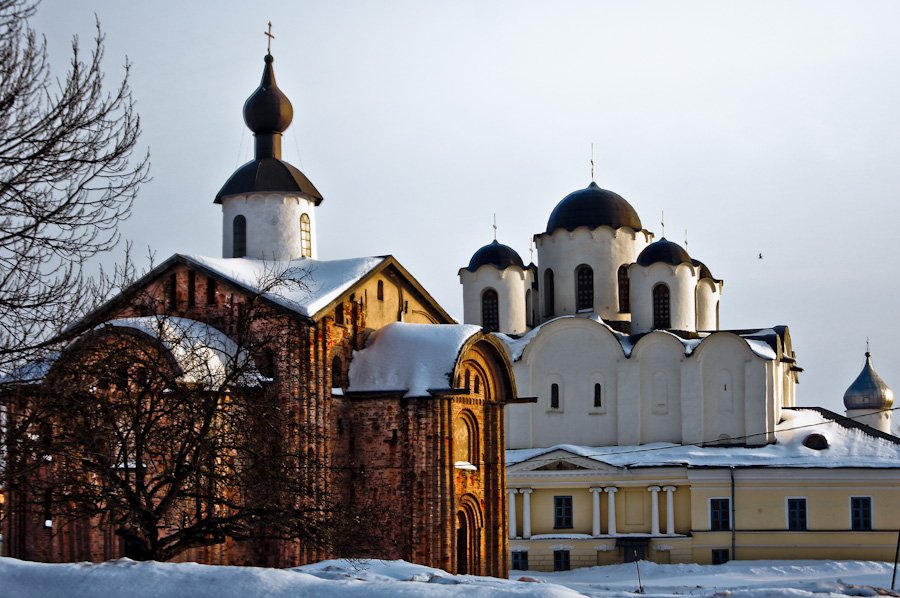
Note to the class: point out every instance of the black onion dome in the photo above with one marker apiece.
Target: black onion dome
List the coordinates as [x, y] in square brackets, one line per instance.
[268, 110]
[496, 254]
[593, 207]
[664, 251]
[868, 391]
[268, 175]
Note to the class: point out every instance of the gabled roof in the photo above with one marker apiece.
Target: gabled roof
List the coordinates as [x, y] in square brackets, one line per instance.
[303, 287]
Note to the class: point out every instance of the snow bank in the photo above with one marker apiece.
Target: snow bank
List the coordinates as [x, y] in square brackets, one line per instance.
[399, 579]
[415, 358]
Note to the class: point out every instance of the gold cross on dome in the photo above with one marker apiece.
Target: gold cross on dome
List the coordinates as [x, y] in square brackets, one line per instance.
[270, 36]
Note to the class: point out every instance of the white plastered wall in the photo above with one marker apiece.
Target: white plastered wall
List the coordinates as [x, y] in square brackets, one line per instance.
[604, 249]
[273, 224]
[708, 295]
[574, 353]
[880, 420]
[660, 357]
[510, 284]
[682, 283]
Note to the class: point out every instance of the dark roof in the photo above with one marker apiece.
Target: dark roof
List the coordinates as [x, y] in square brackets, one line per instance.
[496, 254]
[593, 207]
[268, 174]
[268, 110]
[664, 251]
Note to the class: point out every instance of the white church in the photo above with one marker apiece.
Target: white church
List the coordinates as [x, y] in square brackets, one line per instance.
[656, 434]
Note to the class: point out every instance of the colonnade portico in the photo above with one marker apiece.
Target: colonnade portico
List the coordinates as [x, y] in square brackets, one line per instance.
[596, 519]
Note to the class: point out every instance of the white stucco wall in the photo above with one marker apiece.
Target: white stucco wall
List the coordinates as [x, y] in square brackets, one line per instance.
[604, 249]
[510, 284]
[708, 294]
[574, 353]
[682, 283]
[722, 390]
[880, 420]
[273, 224]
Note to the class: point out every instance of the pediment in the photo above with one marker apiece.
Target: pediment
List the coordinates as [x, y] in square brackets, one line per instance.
[562, 461]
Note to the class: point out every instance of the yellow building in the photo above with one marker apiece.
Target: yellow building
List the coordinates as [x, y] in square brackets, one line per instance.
[826, 489]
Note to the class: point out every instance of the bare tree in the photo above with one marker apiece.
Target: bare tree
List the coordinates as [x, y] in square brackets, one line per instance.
[67, 178]
[179, 434]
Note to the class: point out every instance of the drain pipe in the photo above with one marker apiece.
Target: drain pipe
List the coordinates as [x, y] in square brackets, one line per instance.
[733, 556]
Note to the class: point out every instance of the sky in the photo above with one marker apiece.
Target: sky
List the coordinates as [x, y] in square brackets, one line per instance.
[765, 127]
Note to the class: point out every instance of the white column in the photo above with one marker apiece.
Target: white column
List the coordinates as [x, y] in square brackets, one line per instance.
[526, 512]
[670, 510]
[596, 492]
[654, 511]
[611, 501]
[512, 512]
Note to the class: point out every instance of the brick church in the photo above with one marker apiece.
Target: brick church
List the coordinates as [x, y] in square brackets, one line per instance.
[406, 403]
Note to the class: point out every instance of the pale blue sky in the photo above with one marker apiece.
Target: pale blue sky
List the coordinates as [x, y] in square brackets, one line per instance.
[766, 127]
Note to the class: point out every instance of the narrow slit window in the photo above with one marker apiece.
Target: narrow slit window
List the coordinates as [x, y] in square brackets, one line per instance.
[305, 236]
[598, 395]
[554, 396]
[239, 236]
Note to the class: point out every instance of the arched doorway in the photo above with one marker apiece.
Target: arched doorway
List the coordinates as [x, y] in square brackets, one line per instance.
[469, 524]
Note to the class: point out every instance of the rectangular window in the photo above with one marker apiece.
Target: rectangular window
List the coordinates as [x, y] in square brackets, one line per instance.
[210, 291]
[520, 560]
[598, 395]
[339, 313]
[562, 512]
[560, 560]
[861, 512]
[796, 514]
[719, 514]
[554, 396]
[171, 291]
[720, 556]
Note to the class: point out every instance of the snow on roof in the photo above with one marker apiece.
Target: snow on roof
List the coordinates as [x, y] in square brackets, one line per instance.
[754, 339]
[416, 358]
[204, 354]
[304, 285]
[847, 447]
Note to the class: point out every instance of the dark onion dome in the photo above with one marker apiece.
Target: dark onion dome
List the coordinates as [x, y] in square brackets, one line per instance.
[868, 391]
[268, 110]
[268, 113]
[268, 175]
[593, 207]
[664, 251]
[496, 254]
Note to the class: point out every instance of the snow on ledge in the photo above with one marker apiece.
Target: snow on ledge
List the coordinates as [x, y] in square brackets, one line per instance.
[417, 358]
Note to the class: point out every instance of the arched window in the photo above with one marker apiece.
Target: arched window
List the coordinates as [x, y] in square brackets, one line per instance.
[305, 237]
[585, 288]
[490, 314]
[337, 373]
[661, 317]
[624, 290]
[465, 439]
[239, 236]
[549, 305]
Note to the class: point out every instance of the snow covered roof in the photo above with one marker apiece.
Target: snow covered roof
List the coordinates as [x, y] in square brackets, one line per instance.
[763, 342]
[415, 358]
[204, 354]
[303, 285]
[847, 447]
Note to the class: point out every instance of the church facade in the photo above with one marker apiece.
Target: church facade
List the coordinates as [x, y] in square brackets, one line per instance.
[655, 433]
[402, 408]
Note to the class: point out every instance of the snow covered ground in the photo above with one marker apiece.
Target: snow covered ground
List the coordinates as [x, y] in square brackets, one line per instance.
[398, 579]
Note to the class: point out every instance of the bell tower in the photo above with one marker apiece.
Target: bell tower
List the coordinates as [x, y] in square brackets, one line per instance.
[268, 205]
